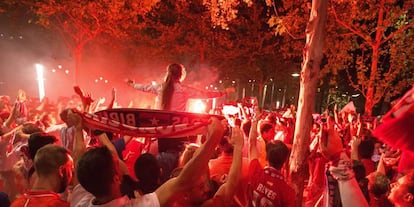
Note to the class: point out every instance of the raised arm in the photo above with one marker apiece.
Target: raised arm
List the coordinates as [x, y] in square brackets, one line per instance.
[341, 167]
[85, 97]
[79, 147]
[104, 140]
[113, 98]
[355, 142]
[195, 168]
[228, 189]
[144, 88]
[253, 152]
[10, 119]
[351, 194]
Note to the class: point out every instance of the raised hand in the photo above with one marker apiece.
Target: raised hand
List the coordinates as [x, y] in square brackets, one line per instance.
[215, 128]
[330, 143]
[114, 93]
[236, 138]
[74, 119]
[85, 97]
[21, 95]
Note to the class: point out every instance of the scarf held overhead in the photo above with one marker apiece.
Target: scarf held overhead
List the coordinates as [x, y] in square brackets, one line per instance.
[147, 123]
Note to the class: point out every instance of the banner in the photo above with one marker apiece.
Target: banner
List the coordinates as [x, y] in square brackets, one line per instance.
[147, 123]
[349, 108]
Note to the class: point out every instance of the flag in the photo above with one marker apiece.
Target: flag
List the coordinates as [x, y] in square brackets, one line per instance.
[147, 123]
[349, 108]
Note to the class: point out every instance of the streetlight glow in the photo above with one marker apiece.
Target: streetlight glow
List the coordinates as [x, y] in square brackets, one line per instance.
[40, 81]
[295, 75]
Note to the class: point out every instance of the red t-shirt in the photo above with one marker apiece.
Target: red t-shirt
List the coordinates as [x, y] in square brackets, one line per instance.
[40, 199]
[130, 155]
[267, 187]
[219, 170]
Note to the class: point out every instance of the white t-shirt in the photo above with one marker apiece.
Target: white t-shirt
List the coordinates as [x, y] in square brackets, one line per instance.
[82, 198]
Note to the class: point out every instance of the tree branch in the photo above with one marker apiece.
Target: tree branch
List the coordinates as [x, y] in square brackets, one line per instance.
[287, 30]
[355, 31]
[352, 83]
[398, 31]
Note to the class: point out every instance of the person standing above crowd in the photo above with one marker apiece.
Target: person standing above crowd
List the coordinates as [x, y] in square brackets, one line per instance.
[172, 94]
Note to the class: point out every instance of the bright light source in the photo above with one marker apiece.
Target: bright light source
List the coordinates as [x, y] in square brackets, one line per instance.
[67, 71]
[295, 75]
[40, 81]
[230, 110]
[96, 80]
[101, 78]
[60, 66]
[53, 70]
[154, 83]
[106, 81]
[355, 95]
[196, 106]
[277, 104]
[206, 87]
[220, 81]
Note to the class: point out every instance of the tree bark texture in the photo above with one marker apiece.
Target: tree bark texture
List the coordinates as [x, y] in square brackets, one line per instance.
[312, 57]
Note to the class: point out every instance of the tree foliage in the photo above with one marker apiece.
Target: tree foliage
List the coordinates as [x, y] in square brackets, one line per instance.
[80, 22]
[372, 47]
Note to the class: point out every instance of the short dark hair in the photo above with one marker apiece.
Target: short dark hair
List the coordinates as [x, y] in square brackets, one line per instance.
[95, 171]
[147, 170]
[63, 115]
[225, 146]
[37, 140]
[30, 128]
[276, 153]
[265, 127]
[366, 148]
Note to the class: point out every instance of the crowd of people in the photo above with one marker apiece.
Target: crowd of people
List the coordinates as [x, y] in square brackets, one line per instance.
[49, 156]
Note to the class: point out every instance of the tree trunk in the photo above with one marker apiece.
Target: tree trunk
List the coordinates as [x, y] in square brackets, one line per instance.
[369, 97]
[312, 56]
